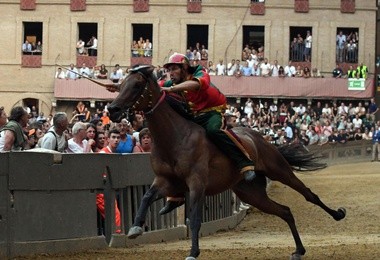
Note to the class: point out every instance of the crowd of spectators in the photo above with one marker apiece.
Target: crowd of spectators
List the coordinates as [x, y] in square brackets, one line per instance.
[330, 123]
[141, 48]
[32, 48]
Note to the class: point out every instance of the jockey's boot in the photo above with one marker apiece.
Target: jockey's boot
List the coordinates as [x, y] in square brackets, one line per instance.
[170, 205]
[249, 175]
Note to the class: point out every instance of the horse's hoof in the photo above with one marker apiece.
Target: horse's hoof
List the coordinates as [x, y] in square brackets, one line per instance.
[190, 258]
[135, 232]
[295, 257]
[341, 214]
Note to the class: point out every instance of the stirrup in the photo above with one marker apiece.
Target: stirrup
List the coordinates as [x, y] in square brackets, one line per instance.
[249, 175]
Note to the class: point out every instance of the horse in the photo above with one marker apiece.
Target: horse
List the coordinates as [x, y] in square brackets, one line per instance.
[186, 162]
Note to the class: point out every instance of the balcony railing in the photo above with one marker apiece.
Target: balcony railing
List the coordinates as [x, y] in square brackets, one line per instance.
[301, 6]
[347, 6]
[194, 6]
[272, 87]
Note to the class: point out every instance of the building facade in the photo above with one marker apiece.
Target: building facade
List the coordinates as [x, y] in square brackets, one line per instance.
[223, 26]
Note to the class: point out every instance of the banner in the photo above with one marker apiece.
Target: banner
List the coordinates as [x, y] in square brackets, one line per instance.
[356, 84]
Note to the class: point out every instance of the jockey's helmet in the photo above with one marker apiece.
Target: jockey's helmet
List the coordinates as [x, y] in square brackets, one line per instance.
[177, 58]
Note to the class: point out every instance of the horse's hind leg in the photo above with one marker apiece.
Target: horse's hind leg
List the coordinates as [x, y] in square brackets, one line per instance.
[292, 181]
[149, 197]
[255, 194]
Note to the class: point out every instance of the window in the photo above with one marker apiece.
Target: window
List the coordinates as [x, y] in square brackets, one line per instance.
[32, 40]
[87, 39]
[197, 42]
[253, 42]
[347, 45]
[301, 41]
[142, 42]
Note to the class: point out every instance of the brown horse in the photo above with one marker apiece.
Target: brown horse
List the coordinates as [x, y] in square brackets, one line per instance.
[184, 160]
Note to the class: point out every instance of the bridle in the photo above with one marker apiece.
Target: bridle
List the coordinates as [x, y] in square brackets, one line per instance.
[146, 92]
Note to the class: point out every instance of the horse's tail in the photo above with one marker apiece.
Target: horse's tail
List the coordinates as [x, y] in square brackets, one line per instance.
[300, 158]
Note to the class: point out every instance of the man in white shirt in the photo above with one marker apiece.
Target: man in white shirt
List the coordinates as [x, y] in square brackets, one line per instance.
[231, 68]
[220, 68]
[85, 71]
[290, 70]
[55, 138]
[265, 68]
[274, 69]
[94, 46]
[72, 72]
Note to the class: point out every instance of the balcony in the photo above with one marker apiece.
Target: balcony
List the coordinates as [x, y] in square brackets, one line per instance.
[31, 60]
[272, 87]
[91, 61]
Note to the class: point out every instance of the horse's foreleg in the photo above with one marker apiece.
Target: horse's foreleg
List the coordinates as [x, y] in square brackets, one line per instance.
[149, 197]
[256, 195]
[195, 216]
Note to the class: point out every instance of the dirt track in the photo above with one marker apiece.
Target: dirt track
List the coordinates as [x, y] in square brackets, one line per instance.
[353, 186]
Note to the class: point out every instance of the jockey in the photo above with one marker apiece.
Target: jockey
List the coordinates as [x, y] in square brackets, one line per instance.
[207, 104]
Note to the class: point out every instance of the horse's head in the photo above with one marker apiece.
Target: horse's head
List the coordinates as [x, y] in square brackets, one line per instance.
[139, 91]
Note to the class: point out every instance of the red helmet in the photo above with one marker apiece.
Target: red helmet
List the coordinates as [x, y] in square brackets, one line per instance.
[177, 58]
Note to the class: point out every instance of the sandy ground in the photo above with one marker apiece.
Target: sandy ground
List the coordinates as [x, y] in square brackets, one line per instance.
[355, 187]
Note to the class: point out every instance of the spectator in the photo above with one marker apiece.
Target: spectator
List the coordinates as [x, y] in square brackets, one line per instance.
[92, 134]
[340, 45]
[315, 73]
[12, 137]
[93, 49]
[299, 72]
[3, 117]
[145, 143]
[337, 72]
[127, 142]
[306, 72]
[80, 47]
[135, 49]
[79, 144]
[375, 142]
[204, 54]
[211, 69]
[275, 69]
[103, 72]
[362, 71]
[290, 70]
[351, 52]
[265, 68]
[85, 71]
[281, 72]
[220, 68]
[72, 72]
[60, 74]
[372, 109]
[308, 42]
[113, 142]
[147, 48]
[106, 121]
[100, 140]
[246, 70]
[351, 73]
[115, 76]
[189, 54]
[26, 47]
[56, 138]
[231, 68]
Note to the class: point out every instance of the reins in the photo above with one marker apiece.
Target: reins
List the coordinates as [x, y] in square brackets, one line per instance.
[150, 95]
